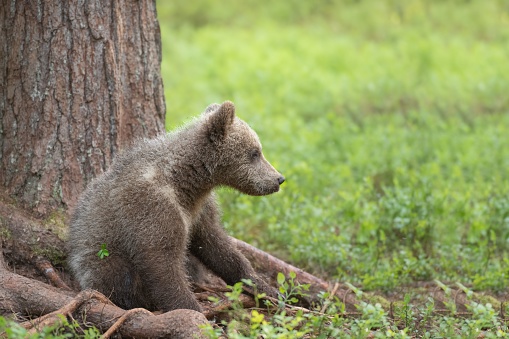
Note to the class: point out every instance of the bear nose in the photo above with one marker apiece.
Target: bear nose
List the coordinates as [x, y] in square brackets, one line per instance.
[281, 180]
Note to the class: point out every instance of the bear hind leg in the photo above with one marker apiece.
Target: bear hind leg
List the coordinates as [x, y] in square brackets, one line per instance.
[117, 280]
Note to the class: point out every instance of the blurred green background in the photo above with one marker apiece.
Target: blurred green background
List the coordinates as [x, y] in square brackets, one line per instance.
[389, 119]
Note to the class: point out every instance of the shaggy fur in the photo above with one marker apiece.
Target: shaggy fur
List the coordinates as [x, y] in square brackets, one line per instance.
[155, 206]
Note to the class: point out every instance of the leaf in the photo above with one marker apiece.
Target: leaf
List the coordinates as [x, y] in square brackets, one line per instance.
[256, 317]
[103, 252]
[280, 278]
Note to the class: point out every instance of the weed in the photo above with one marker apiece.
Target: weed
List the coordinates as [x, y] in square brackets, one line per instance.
[63, 329]
[103, 252]
[290, 290]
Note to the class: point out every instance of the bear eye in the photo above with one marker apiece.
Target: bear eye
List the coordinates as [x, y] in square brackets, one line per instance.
[254, 154]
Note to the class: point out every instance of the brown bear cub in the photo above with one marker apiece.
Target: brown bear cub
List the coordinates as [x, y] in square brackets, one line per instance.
[154, 207]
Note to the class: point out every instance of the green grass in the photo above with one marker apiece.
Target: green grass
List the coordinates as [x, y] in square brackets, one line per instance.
[389, 120]
[450, 57]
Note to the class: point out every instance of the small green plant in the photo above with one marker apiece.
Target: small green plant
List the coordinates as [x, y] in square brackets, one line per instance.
[289, 289]
[406, 312]
[449, 302]
[234, 294]
[103, 252]
[64, 329]
[373, 317]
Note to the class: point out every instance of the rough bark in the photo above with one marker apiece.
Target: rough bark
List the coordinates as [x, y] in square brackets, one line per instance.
[27, 296]
[25, 239]
[78, 81]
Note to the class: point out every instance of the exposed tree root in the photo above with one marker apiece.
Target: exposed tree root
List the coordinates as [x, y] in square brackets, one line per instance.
[46, 268]
[25, 239]
[28, 297]
[54, 317]
[127, 315]
[271, 266]
[31, 297]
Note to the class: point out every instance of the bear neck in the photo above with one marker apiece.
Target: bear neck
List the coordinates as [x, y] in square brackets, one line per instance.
[191, 170]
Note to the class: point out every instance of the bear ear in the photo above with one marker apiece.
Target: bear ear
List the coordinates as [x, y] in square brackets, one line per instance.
[220, 121]
[211, 108]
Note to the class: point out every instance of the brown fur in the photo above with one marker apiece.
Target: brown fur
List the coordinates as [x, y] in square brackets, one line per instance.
[155, 205]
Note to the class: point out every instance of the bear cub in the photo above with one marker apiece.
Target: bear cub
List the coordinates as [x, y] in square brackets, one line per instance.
[155, 207]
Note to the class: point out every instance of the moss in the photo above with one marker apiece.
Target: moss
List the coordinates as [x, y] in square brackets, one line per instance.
[5, 233]
[488, 299]
[55, 255]
[55, 223]
[57, 192]
[377, 299]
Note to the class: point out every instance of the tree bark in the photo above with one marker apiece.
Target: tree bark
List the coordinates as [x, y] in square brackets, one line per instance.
[79, 80]
[27, 296]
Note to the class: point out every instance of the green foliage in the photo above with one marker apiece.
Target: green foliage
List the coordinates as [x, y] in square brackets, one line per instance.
[327, 320]
[236, 291]
[103, 252]
[63, 329]
[442, 56]
[289, 289]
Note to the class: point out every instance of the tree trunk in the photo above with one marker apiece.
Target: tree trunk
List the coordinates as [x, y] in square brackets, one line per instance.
[79, 80]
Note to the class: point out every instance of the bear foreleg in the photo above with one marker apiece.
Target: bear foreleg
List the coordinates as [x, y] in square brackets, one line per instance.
[212, 246]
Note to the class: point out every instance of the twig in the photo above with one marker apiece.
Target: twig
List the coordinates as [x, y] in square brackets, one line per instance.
[122, 319]
[331, 296]
[247, 302]
[52, 318]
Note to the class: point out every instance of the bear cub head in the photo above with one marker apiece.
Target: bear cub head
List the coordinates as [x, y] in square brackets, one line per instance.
[239, 161]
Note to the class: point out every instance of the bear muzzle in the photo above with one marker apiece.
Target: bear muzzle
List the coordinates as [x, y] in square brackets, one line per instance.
[270, 186]
[275, 188]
